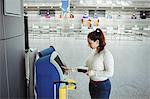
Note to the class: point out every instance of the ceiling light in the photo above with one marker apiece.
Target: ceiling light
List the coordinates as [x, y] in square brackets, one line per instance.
[25, 4]
[122, 3]
[109, 2]
[43, 4]
[113, 4]
[99, 1]
[118, 2]
[81, 1]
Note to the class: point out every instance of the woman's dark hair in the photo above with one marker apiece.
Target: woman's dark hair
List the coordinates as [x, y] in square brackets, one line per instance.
[98, 35]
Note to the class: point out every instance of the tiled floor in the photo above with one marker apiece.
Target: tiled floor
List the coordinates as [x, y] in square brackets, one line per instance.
[131, 53]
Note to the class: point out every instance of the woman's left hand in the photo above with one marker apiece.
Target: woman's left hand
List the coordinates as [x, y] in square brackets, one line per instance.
[90, 73]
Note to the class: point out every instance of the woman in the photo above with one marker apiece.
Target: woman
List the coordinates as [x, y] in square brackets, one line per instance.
[100, 65]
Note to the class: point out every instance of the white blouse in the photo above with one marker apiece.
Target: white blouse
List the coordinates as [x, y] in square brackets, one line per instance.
[102, 64]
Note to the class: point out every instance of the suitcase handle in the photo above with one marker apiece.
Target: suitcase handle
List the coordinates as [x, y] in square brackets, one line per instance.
[55, 82]
[65, 82]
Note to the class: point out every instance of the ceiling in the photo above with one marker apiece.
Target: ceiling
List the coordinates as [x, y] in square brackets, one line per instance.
[91, 3]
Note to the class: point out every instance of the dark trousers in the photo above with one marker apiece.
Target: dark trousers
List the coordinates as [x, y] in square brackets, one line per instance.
[100, 90]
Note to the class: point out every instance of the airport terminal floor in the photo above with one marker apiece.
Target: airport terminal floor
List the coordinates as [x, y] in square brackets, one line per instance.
[131, 62]
[45, 47]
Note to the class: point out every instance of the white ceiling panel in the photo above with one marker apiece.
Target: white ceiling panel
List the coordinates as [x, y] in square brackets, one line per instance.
[94, 3]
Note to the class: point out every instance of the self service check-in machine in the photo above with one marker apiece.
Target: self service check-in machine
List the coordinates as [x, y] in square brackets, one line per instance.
[50, 76]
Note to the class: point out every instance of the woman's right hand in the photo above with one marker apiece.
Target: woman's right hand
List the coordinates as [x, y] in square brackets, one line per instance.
[69, 70]
[90, 73]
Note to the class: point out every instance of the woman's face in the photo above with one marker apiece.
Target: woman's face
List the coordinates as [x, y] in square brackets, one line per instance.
[93, 44]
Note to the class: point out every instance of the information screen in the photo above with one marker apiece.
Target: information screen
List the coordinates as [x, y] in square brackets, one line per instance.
[59, 62]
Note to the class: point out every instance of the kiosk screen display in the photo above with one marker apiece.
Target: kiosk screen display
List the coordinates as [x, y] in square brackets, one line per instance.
[59, 62]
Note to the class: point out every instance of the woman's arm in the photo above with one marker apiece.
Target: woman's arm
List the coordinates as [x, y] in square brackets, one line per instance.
[108, 67]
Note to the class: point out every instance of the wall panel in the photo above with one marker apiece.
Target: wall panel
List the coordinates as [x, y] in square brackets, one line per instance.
[16, 68]
[4, 93]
